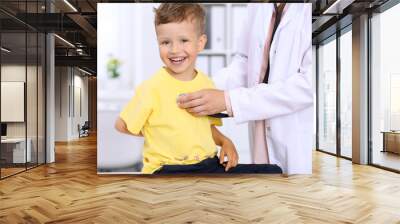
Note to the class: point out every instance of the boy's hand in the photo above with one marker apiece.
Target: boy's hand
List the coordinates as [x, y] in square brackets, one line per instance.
[228, 149]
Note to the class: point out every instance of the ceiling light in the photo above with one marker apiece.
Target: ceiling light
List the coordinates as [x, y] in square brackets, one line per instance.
[70, 5]
[337, 7]
[5, 50]
[328, 10]
[84, 71]
[64, 40]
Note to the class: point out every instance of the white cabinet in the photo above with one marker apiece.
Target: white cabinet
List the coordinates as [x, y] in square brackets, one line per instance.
[17, 148]
[223, 23]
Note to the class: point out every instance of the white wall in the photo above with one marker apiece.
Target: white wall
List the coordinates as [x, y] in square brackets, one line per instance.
[68, 82]
[80, 109]
[61, 103]
[17, 73]
[133, 43]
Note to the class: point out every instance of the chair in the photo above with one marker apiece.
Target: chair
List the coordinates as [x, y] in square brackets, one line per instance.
[84, 130]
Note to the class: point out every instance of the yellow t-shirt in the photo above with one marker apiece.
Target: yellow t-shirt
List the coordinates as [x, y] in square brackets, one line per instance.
[172, 135]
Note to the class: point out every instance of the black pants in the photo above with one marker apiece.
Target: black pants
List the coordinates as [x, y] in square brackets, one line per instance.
[212, 165]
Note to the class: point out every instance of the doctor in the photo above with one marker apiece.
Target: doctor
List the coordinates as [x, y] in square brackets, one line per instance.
[269, 85]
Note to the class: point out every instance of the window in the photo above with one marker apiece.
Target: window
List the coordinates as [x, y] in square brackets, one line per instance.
[346, 93]
[385, 89]
[327, 97]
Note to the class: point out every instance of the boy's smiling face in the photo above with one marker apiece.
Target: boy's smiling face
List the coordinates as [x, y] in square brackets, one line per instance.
[179, 44]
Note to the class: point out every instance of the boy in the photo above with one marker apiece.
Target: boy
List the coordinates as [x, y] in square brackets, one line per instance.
[175, 140]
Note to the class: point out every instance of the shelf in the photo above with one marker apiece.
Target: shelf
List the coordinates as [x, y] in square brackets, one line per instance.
[210, 52]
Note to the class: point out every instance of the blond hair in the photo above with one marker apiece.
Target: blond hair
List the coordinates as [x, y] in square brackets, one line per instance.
[178, 12]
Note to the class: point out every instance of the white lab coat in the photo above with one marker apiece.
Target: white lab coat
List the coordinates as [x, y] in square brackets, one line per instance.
[286, 102]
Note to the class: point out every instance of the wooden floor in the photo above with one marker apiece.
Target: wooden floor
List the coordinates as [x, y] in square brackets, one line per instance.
[10, 171]
[387, 159]
[70, 191]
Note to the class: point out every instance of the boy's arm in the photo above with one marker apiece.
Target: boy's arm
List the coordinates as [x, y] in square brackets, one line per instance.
[227, 148]
[120, 125]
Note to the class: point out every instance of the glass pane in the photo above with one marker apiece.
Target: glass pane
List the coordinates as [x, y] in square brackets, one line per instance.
[327, 97]
[346, 94]
[13, 87]
[386, 89]
[31, 98]
[41, 98]
[31, 85]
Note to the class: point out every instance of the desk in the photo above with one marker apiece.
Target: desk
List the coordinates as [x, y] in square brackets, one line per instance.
[391, 141]
[16, 147]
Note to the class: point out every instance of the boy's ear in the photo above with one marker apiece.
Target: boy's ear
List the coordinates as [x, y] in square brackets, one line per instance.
[202, 42]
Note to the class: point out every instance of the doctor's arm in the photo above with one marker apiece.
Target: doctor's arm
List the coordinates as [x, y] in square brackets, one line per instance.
[281, 97]
[265, 101]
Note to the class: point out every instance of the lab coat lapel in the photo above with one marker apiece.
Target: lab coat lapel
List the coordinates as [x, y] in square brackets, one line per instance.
[286, 17]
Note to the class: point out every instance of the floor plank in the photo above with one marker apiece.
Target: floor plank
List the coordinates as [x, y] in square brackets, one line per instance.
[70, 191]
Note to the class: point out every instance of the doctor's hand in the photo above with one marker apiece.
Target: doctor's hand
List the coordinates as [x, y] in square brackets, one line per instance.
[228, 150]
[203, 102]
